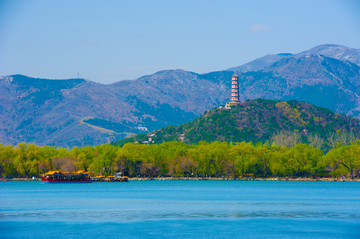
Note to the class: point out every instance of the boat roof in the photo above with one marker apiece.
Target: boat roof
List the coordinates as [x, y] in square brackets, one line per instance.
[82, 172]
[52, 173]
[67, 173]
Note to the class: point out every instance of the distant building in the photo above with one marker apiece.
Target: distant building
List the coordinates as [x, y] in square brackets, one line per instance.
[235, 99]
[150, 137]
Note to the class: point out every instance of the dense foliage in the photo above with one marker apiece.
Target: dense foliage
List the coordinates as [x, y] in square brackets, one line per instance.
[216, 159]
[275, 122]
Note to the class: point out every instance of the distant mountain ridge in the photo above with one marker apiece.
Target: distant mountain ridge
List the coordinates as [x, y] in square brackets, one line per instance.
[260, 63]
[329, 50]
[79, 112]
[338, 52]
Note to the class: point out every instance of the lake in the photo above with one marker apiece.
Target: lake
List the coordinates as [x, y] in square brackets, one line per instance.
[180, 209]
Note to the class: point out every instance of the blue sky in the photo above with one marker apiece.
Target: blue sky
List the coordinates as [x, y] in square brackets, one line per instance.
[107, 41]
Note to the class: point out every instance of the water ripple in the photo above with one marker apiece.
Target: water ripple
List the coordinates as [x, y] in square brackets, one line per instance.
[113, 216]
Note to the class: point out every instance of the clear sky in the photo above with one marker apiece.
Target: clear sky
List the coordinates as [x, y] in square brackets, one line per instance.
[112, 40]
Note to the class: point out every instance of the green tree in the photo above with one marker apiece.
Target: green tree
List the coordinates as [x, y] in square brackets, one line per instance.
[244, 155]
[7, 167]
[27, 159]
[345, 159]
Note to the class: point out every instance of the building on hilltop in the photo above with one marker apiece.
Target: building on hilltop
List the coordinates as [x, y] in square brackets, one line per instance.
[235, 100]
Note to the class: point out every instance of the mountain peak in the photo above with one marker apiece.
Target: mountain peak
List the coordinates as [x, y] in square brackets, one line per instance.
[170, 71]
[22, 79]
[328, 46]
[338, 52]
[334, 51]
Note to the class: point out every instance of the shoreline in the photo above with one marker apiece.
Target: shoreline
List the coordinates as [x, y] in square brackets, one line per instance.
[245, 179]
[216, 179]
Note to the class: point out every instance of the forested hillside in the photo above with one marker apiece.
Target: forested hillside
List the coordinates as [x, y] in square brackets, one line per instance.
[273, 122]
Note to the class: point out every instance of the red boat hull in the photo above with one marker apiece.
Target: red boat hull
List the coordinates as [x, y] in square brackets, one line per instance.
[47, 180]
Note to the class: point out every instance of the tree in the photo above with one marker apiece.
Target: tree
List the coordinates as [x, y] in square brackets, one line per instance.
[345, 159]
[286, 138]
[47, 153]
[26, 159]
[64, 164]
[244, 156]
[341, 138]
[304, 160]
[263, 160]
[279, 161]
[7, 167]
[315, 141]
[84, 157]
[105, 157]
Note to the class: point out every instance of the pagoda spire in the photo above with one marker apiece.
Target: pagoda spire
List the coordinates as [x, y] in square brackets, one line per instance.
[235, 88]
[235, 99]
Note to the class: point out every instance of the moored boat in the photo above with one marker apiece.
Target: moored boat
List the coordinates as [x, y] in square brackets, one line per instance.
[110, 179]
[80, 176]
[117, 179]
[99, 178]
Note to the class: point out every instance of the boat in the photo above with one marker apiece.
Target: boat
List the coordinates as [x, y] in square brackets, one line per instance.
[99, 178]
[116, 179]
[80, 176]
[102, 178]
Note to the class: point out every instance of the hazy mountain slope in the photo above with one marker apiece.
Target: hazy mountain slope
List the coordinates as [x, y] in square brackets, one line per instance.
[260, 63]
[46, 112]
[186, 90]
[323, 81]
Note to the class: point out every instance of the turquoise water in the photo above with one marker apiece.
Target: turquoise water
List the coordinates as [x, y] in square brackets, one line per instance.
[180, 209]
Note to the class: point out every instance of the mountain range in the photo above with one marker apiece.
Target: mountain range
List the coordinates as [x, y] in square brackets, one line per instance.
[78, 112]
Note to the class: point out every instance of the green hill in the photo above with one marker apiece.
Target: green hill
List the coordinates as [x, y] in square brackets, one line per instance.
[266, 121]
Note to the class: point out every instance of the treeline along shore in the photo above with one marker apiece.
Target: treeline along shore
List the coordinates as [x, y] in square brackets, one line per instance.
[177, 160]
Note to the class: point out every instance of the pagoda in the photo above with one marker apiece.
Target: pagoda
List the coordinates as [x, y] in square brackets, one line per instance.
[235, 100]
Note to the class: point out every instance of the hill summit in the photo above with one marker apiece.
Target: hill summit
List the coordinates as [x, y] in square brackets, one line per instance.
[276, 122]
